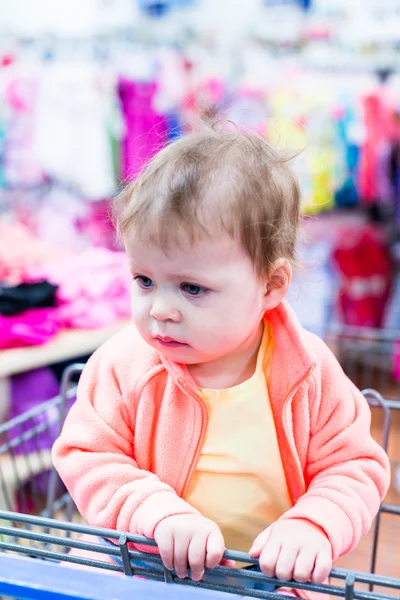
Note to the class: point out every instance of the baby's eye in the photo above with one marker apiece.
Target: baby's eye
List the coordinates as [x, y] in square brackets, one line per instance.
[193, 290]
[144, 282]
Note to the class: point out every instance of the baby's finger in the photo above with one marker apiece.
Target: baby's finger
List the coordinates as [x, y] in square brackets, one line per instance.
[322, 568]
[269, 558]
[227, 562]
[181, 545]
[304, 566]
[197, 556]
[166, 549]
[215, 549]
[286, 562]
[259, 543]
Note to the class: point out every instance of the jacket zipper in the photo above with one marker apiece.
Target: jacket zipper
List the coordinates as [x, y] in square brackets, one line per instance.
[199, 446]
[285, 428]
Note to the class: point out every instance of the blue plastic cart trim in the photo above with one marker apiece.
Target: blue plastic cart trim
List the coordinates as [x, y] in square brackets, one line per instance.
[32, 579]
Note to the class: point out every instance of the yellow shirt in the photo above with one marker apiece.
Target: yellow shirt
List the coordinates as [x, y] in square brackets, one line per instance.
[239, 481]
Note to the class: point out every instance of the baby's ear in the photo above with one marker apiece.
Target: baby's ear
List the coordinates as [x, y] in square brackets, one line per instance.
[277, 283]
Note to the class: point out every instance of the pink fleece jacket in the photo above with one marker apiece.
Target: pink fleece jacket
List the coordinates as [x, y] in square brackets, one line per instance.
[131, 441]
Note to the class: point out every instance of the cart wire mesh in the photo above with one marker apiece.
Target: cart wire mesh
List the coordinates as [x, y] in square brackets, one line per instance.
[342, 583]
[368, 356]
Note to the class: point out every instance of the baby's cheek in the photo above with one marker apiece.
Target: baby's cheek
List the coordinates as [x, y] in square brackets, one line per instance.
[219, 337]
[140, 314]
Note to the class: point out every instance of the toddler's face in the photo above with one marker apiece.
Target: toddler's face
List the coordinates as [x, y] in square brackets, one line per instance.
[198, 303]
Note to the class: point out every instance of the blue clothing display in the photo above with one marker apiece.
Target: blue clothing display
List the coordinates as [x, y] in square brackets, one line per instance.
[158, 8]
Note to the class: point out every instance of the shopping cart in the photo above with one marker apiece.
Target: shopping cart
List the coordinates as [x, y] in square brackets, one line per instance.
[368, 356]
[39, 525]
[371, 358]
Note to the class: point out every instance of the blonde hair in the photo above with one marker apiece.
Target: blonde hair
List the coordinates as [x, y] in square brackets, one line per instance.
[210, 181]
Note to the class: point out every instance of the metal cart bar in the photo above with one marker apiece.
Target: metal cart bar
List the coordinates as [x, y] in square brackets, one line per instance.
[344, 588]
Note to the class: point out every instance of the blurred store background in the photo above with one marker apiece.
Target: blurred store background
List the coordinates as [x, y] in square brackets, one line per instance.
[89, 90]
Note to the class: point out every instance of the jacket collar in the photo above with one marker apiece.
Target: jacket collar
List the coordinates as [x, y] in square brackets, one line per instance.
[292, 354]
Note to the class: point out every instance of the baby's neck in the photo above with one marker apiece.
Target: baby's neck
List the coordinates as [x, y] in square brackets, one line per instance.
[230, 370]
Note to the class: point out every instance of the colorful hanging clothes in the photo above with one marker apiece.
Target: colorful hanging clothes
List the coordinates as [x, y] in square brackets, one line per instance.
[364, 266]
[146, 130]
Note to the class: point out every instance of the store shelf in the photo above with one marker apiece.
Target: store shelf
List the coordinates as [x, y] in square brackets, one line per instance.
[67, 345]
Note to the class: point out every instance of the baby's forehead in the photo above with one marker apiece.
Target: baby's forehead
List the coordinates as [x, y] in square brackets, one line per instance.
[182, 255]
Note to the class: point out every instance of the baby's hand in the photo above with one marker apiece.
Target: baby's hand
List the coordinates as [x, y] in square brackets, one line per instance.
[189, 540]
[294, 549]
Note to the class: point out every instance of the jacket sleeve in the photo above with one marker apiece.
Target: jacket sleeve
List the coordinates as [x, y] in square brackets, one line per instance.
[95, 457]
[347, 473]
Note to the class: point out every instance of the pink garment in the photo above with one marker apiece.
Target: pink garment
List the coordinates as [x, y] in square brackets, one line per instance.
[374, 184]
[21, 252]
[94, 288]
[146, 130]
[31, 328]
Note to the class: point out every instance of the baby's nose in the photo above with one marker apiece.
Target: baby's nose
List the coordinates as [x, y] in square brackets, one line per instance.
[162, 310]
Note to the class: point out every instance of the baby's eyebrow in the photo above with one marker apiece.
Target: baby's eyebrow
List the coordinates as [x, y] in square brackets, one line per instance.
[199, 278]
[136, 266]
